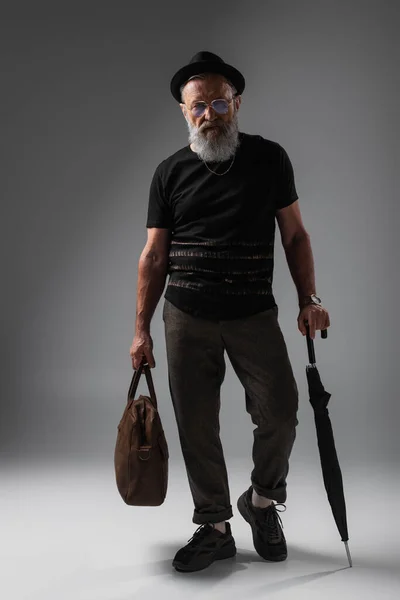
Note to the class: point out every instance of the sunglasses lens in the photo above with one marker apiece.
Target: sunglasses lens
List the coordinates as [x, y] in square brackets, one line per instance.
[198, 110]
[220, 106]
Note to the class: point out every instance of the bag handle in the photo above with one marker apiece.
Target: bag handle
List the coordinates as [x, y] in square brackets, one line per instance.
[144, 366]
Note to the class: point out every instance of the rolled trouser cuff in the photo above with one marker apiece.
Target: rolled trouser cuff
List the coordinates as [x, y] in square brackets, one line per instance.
[279, 494]
[212, 517]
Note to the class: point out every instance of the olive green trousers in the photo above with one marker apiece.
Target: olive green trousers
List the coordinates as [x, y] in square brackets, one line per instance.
[196, 369]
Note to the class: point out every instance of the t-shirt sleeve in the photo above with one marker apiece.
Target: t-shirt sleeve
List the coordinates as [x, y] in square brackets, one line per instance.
[287, 193]
[159, 211]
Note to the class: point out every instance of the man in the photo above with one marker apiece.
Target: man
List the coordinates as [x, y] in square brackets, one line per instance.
[211, 226]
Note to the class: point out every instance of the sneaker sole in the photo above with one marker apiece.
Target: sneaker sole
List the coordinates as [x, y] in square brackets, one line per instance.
[261, 551]
[223, 553]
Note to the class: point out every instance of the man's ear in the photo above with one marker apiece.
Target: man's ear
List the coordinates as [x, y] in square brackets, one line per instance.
[184, 111]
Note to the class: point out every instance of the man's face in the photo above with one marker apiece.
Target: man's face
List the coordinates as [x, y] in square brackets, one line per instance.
[213, 136]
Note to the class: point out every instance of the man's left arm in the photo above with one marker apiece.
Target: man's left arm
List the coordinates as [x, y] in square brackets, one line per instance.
[299, 256]
[300, 260]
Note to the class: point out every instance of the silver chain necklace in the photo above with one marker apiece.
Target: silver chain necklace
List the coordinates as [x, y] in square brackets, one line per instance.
[220, 173]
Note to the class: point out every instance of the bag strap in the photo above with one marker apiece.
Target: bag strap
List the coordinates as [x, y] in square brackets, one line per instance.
[135, 382]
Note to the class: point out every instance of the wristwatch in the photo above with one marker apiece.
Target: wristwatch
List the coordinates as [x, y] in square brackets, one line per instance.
[312, 299]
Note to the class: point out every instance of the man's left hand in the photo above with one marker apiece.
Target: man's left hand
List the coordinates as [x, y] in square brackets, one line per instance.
[317, 317]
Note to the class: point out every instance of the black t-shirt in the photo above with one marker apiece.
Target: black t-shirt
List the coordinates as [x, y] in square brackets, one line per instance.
[221, 256]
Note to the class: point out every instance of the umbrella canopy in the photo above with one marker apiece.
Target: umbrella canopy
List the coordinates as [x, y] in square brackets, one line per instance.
[331, 472]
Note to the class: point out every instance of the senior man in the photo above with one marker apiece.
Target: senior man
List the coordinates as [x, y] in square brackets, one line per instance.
[211, 227]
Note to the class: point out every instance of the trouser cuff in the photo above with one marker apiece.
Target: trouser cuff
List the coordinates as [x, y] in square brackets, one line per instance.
[212, 517]
[278, 494]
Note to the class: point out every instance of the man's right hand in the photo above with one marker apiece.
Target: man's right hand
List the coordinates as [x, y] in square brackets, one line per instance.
[142, 350]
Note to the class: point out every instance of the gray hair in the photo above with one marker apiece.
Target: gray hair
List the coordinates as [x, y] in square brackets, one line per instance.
[204, 76]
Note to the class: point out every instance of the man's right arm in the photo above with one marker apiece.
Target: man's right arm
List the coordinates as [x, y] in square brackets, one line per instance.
[152, 273]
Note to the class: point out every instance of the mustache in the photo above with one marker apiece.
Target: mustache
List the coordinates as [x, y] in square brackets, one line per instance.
[209, 126]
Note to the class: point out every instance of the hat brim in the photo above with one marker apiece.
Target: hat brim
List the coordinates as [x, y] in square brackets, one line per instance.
[188, 71]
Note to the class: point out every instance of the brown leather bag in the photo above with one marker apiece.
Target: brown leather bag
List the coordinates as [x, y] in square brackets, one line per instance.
[141, 450]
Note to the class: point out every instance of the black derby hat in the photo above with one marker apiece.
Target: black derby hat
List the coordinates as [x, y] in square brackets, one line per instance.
[205, 62]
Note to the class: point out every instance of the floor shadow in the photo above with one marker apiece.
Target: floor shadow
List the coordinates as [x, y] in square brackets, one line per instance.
[255, 580]
[225, 568]
[245, 557]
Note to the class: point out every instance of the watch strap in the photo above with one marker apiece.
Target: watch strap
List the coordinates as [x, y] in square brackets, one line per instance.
[311, 299]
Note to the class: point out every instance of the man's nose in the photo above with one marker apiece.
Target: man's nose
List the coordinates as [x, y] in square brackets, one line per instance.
[210, 113]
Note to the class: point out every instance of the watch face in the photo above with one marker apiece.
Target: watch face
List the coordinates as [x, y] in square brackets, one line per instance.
[316, 299]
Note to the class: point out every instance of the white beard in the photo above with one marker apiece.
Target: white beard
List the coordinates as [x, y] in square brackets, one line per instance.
[215, 145]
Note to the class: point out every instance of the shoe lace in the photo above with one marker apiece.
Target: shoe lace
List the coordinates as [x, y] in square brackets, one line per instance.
[200, 532]
[273, 521]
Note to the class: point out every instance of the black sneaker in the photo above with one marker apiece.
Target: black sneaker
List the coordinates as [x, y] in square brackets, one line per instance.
[266, 525]
[205, 546]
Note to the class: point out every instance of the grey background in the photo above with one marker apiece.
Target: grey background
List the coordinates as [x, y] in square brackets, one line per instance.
[86, 117]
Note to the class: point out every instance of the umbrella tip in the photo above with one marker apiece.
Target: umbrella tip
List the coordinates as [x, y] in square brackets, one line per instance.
[348, 554]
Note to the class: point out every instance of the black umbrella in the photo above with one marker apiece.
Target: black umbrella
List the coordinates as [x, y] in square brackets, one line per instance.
[331, 472]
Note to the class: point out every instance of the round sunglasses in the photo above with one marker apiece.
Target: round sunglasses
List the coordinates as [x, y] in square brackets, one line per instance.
[220, 106]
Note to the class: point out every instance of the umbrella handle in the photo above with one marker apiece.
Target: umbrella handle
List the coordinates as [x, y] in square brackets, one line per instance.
[310, 342]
